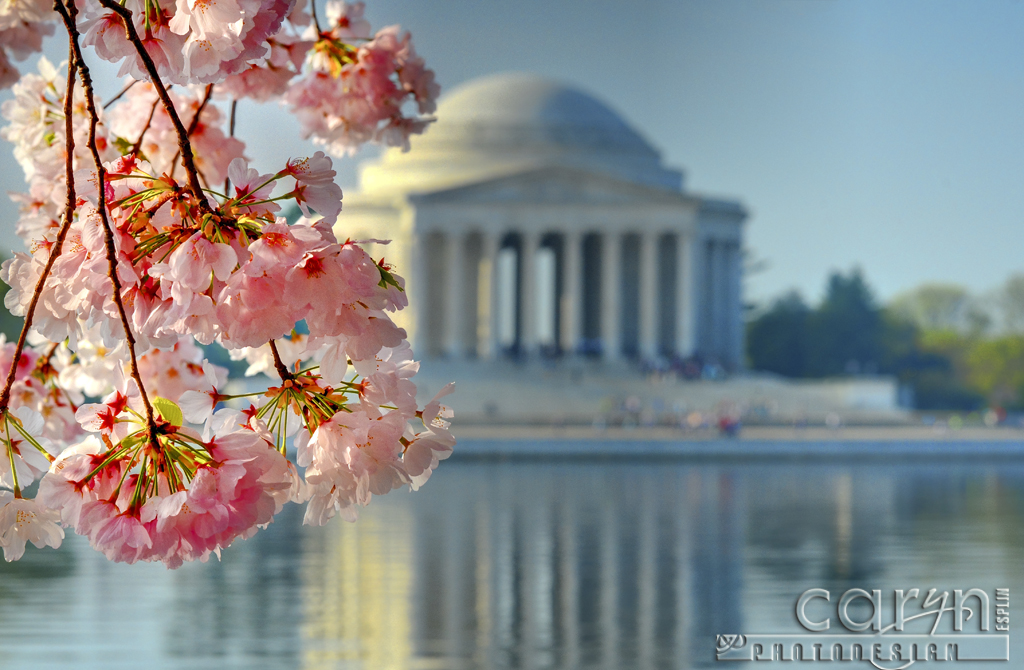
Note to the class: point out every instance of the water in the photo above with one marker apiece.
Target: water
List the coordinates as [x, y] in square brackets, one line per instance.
[532, 564]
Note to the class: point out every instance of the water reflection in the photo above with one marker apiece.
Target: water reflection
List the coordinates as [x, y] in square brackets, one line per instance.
[530, 565]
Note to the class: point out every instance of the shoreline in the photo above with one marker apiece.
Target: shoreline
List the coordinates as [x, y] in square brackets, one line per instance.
[762, 444]
[895, 433]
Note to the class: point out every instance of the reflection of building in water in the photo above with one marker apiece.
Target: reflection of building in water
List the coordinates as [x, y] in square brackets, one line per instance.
[820, 526]
[518, 571]
[532, 219]
[498, 566]
[356, 582]
[719, 543]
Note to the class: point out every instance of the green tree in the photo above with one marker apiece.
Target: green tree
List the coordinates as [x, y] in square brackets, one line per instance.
[996, 368]
[941, 307]
[777, 338]
[1011, 303]
[846, 330]
[928, 339]
[931, 362]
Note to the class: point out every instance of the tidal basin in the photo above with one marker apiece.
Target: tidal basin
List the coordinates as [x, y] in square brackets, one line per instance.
[516, 562]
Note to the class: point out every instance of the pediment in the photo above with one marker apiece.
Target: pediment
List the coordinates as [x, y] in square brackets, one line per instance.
[562, 186]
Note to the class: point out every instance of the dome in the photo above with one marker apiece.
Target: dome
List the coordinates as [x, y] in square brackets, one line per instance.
[517, 107]
[508, 123]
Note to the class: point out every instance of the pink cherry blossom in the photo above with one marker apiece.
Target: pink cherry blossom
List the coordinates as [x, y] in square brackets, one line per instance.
[195, 260]
[172, 372]
[200, 256]
[190, 42]
[314, 185]
[348, 19]
[280, 247]
[355, 94]
[64, 487]
[19, 428]
[433, 445]
[23, 520]
[198, 405]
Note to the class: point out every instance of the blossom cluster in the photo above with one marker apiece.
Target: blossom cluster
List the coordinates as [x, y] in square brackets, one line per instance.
[357, 87]
[151, 238]
[23, 25]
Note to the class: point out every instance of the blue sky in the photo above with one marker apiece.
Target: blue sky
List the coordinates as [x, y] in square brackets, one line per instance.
[858, 132]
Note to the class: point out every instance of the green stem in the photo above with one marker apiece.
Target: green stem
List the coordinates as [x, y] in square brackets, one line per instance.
[10, 454]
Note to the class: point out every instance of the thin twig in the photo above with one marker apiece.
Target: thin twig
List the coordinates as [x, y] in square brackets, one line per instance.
[202, 178]
[69, 212]
[282, 369]
[184, 146]
[192, 125]
[43, 367]
[316, 21]
[145, 129]
[45, 360]
[119, 95]
[231, 133]
[67, 15]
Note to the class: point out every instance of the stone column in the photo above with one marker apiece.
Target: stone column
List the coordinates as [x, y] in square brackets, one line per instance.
[649, 295]
[734, 305]
[705, 296]
[686, 294]
[572, 292]
[418, 287]
[528, 293]
[710, 346]
[723, 336]
[611, 289]
[455, 295]
[487, 299]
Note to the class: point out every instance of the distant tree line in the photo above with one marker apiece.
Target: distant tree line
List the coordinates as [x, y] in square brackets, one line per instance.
[954, 350]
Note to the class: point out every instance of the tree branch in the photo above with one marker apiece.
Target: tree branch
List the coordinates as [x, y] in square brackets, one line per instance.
[316, 21]
[282, 369]
[117, 97]
[145, 129]
[68, 16]
[231, 133]
[184, 146]
[69, 213]
[193, 124]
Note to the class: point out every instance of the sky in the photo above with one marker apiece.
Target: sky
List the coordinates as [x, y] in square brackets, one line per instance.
[858, 133]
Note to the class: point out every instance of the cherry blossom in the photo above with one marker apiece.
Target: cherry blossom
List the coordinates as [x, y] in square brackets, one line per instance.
[314, 186]
[23, 520]
[26, 454]
[152, 242]
[198, 404]
[357, 87]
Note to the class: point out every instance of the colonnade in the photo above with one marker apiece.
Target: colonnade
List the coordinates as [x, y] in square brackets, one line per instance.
[618, 293]
[511, 572]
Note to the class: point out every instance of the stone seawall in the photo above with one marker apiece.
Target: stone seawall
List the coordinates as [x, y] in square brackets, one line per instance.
[603, 396]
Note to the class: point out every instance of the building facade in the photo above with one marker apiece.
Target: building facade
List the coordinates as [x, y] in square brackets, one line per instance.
[531, 220]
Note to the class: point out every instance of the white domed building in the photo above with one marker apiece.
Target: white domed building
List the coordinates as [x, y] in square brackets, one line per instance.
[531, 220]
